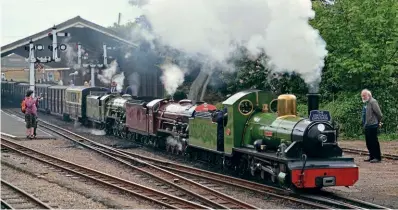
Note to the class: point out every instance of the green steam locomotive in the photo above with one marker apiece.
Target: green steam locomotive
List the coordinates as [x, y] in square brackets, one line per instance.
[262, 135]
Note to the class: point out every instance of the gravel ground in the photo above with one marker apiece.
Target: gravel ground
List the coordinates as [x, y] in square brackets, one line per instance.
[51, 193]
[389, 147]
[84, 194]
[381, 190]
[378, 182]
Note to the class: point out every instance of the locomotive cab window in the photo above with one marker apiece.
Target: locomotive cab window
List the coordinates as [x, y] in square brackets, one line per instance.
[245, 107]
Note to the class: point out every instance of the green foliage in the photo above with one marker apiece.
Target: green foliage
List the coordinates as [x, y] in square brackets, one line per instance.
[219, 105]
[362, 40]
[346, 110]
[302, 109]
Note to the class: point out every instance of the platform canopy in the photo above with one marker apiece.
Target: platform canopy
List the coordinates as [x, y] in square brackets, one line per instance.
[90, 35]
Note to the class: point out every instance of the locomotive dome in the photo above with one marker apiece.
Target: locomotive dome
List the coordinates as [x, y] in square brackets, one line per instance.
[287, 105]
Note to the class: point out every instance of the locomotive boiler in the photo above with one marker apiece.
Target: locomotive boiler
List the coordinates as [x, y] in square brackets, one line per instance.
[290, 134]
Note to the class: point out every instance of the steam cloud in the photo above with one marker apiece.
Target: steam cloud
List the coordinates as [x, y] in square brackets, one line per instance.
[172, 77]
[108, 75]
[173, 142]
[71, 53]
[214, 30]
[134, 83]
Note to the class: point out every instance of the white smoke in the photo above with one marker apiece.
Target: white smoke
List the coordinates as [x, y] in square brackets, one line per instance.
[71, 53]
[172, 77]
[109, 75]
[214, 29]
[74, 73]
[134, 83]
[97, 132]
[119, 79]
[173, 142]
[128, 55]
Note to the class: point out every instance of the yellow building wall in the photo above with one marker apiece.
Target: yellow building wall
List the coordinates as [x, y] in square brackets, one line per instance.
[23, 76]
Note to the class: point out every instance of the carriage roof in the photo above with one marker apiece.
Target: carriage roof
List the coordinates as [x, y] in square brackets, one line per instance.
[43, 85]
[58, 87]
[83, 88]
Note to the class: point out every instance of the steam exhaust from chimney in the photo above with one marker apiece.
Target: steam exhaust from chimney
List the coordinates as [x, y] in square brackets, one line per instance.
[313, 102]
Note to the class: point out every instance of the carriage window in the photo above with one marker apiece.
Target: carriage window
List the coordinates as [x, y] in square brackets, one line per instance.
[72, 97]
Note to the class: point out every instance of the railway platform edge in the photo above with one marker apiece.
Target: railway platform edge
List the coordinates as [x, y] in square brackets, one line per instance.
[14, 127]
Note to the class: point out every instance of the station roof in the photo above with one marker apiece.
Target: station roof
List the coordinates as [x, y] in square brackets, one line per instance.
[90, 35]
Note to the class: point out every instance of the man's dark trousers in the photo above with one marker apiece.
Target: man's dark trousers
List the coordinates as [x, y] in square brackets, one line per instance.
[372, 143]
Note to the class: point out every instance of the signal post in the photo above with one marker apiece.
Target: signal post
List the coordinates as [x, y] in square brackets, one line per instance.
[32, 59]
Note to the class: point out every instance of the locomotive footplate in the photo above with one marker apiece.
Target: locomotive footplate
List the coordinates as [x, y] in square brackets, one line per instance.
[311, 173]
[324, 173]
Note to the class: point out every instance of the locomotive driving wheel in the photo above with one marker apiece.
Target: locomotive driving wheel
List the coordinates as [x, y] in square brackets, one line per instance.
[115, 131]
[122, 131]
[108, 128]
[242, 167]
[102, 126]
[123, 134]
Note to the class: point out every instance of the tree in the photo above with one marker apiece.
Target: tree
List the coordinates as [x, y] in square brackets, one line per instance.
[362, 40]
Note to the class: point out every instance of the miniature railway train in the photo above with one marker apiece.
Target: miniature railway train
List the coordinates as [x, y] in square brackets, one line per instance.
[247, 135]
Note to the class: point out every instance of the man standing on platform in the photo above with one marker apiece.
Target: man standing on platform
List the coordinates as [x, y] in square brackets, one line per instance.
[371, 120]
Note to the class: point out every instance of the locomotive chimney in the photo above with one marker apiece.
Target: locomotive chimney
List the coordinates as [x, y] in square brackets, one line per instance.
[313, 102]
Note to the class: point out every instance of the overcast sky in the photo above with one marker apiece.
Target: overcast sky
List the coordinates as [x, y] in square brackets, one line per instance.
[22, 18]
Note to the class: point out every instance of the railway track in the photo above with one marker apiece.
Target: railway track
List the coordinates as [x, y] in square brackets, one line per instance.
[163, 199]
[13, 197]
[213, 180]
[325, 200]
[175, 184]
[363, 152]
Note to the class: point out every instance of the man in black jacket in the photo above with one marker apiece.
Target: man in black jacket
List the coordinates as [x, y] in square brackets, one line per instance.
[371, 120]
